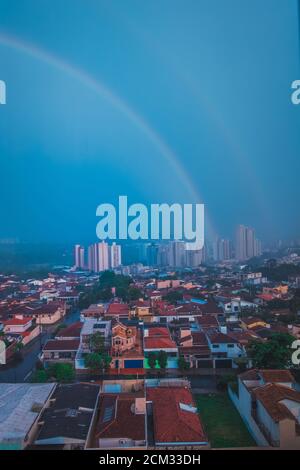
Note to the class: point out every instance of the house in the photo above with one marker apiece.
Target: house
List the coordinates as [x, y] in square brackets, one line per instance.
[253, 322]
[25, 328]
[123, 337]
[207, 321]
[159, 339]
[94, 310]
[21, 406]
[121, 422]
[89, 327]
[18, 324]
[194, 348]
[70, 332]
[188, 311]
[57, 350]
[118, 311]
[235, 305]
[224, 349]
[127, 348]
[164, 312]
[167, 283]
[210, 307]
[174, 421]
[92, 326]
[269, 403]
[48, 314]
[48, 294]
[67, 421]
[142, 310]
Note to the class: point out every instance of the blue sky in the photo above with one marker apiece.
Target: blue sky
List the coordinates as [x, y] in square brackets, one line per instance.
[163, 101]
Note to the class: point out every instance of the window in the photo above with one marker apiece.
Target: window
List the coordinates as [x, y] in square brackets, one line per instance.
[215, 346]
[230, 345]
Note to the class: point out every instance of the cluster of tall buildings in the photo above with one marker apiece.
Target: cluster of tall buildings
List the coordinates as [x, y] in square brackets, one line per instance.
[247, 245]
[100, 257]
[222, 250]
[173, 254]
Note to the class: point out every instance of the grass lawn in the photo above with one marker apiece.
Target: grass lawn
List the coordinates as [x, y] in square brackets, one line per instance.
[222, 423]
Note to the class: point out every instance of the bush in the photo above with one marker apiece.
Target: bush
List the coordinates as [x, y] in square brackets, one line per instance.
[39, 376]
[62, 372]
[224, 380]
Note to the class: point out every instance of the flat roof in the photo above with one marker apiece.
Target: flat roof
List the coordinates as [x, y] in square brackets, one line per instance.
[20, 405]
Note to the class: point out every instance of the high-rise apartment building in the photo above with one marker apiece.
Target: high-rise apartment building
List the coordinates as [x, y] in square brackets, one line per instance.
[247, 246]
[177, 254]
[222, 250]
[79, 257]
[115, 256]
[101, 256]
[193, 258]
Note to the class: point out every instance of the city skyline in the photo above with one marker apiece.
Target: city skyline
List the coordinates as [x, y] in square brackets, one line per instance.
[101, 256]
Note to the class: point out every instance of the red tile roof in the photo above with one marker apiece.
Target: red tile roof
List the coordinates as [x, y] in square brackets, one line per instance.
[172, 424]
[158, 331]
[158, 338]
[17, 321]
[61, 345]
[72, 331]
[117, 309]
[221, 338]
[123, 422]
[273, 375]
[268, 375]
[199, 339]
[271, 396]
[207, 321]
[159, 343]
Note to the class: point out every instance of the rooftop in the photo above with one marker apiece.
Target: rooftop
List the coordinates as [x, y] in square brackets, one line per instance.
[71, 331]
[20, 405]
[70, 414]
[61, 345]
[118, 419]
[175, 417]
[272, 395]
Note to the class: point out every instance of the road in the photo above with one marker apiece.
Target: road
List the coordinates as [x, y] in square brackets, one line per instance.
[20, 371]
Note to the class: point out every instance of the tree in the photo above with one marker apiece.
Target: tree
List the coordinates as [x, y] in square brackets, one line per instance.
[63, 372]
[241, 362]
[275, 353]
[97, 342]
[95, 361]
[224, 380]
[134, 293]
[183, 364]
[152, 360]
[162, 359]
[295, 302]
[39, 376]
[173, 297]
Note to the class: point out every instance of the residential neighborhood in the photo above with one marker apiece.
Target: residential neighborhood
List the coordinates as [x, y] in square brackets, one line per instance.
[159, 359]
